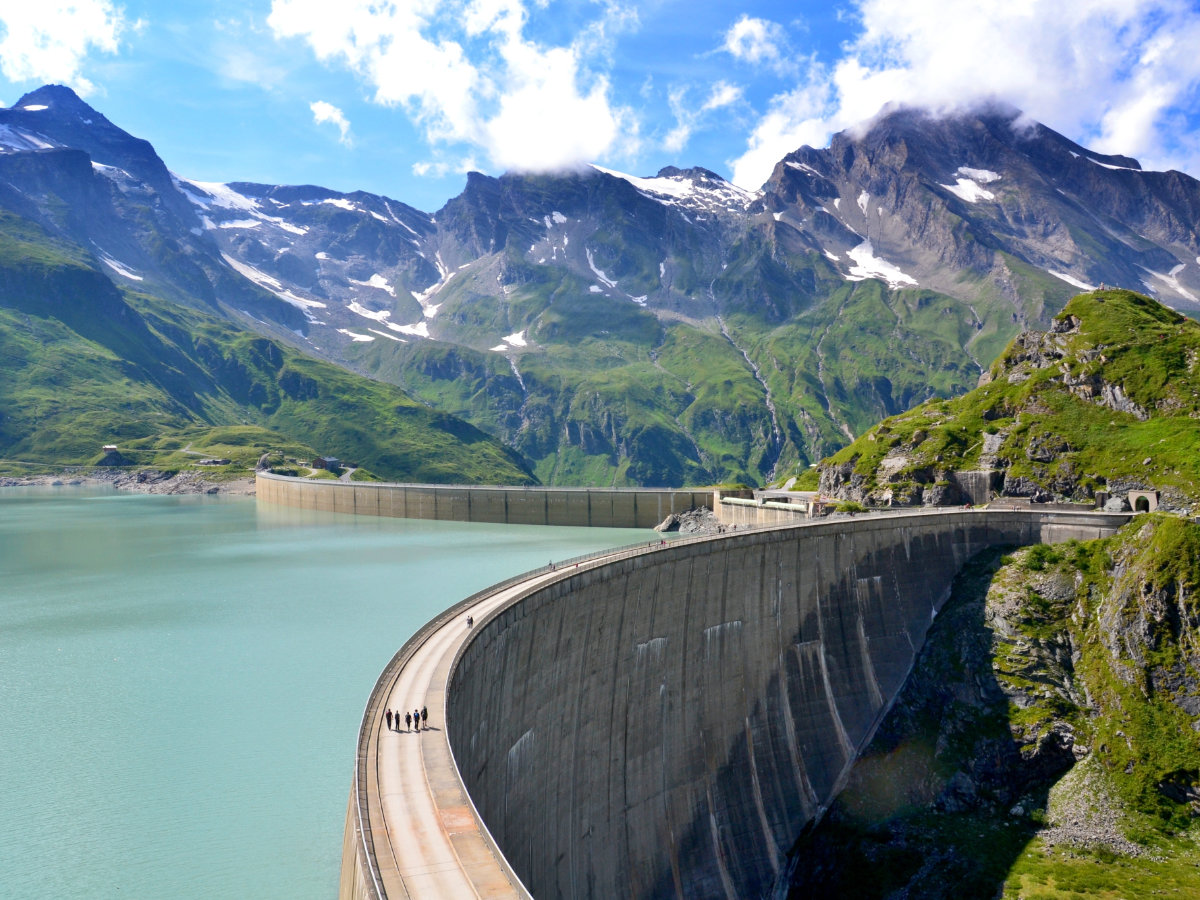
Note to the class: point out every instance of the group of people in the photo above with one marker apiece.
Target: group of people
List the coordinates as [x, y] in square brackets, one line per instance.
[419, 717]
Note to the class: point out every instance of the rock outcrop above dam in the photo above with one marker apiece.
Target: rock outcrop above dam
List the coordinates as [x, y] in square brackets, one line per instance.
[666, 725]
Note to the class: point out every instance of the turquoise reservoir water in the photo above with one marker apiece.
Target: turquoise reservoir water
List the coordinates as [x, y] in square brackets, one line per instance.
[181, 681]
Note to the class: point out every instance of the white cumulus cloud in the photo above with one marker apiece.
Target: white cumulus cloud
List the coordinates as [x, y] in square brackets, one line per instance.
[1111, 74]
[722, 94]
[757, 41]
[50, 41]
[467, 74]
[326, 112]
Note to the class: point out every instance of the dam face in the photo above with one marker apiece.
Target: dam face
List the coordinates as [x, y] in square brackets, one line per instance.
[666, 725]
[587, 507]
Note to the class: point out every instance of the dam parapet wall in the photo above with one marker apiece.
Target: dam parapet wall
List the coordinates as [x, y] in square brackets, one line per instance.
[665, 725]
[590, 507]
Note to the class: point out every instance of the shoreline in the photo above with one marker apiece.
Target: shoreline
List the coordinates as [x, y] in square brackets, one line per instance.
[146, 481]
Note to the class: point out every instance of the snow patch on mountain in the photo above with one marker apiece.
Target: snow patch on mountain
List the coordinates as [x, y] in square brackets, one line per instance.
[16, 139]
[1112, 167]
[984, 176]
[355, 336]
[804, 167]
[516, 339]
[966, 189]
[872, 266]
[703, 194]
[114, 173]
[420, 329]
[219, 195]
[358, 309]
[1072, 280]
[376, 281]
[1171, 281]
[863, 199]
[423, 297]
[119, 267]
[212, 195]
[34, 107]
[608, 282]
[398, 220]
[390, 337]
[265, 281]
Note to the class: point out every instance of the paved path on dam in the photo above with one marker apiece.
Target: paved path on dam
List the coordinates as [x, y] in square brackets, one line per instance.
[434, 845]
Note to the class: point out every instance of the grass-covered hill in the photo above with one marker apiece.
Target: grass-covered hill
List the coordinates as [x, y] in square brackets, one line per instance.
[1047, 743]
[1108, 399]
[83, 363]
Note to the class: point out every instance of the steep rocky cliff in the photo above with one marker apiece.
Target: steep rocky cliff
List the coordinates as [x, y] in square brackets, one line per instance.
[1046, 743]
[1107, 400]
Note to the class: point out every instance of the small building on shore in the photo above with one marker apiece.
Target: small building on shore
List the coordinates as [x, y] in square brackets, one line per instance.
[326, 462]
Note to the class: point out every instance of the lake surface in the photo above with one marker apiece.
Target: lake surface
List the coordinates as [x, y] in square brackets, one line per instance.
[182, 678]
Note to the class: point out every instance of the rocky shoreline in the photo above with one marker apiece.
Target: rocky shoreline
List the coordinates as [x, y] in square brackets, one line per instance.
[145, 481]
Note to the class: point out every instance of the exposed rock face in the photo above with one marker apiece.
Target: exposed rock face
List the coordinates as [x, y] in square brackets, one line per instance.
[692, 521]
[1078, 660]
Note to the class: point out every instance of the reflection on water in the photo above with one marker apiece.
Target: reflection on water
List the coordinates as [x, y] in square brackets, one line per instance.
[181, 680]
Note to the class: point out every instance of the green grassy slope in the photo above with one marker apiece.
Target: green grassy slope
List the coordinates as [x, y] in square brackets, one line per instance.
[1109, 400]
[84, 364]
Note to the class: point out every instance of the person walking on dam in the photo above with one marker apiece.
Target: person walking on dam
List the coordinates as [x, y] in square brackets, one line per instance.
[424, 717]
[417, 718]
[407, 721]
[389, 718]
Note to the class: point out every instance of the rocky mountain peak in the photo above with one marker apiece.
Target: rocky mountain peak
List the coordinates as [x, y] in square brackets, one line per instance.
[58, 99]
[56, 115]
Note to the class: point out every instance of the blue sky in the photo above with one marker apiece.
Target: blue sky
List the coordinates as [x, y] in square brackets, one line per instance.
[402, 98]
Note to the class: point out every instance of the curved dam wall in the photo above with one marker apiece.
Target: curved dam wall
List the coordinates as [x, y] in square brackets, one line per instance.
[666, 725]
[595, 507]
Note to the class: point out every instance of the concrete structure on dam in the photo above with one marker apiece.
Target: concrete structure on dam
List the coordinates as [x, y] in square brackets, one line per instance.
[594, 507]
[665, 723]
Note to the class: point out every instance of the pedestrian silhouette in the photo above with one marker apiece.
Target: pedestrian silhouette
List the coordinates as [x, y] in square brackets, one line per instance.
[417, 718]
[389, 718]
[408, 721]
[424, 717]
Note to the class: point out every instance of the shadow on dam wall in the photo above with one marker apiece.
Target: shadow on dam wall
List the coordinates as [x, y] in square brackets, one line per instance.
[666, 725]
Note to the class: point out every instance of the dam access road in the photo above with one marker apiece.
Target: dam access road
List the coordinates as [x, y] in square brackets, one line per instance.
[435, 844]
[424, 834]
[660, 722]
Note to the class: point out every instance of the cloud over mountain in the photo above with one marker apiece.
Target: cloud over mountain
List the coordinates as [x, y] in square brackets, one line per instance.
[1117, 74]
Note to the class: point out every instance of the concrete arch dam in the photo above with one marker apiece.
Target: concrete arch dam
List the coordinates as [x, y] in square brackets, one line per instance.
[665, 725]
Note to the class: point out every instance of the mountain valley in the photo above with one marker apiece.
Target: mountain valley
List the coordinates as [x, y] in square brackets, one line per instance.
[613, 329]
